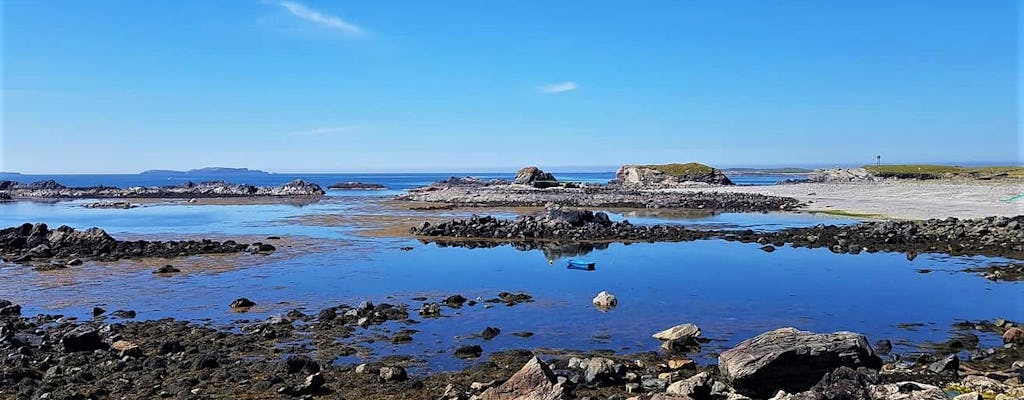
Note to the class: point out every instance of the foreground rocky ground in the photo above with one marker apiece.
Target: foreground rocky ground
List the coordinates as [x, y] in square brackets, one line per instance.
[54, 190]
[992, 236]
[293, 356]
[47, 248]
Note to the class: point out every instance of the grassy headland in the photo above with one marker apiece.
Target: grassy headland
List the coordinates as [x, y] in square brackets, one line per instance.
[924, 171]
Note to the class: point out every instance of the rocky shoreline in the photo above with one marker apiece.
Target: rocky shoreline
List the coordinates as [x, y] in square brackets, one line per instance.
[511, 195]
[52, 190]
[992, 236]
[113, 356]
[37, 244]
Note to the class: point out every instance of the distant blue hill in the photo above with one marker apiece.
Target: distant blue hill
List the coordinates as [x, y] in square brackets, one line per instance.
[207, 171]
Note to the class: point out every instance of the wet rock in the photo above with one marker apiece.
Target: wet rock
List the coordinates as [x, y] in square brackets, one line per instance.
[430, 310]
[534, 381]
[97, 311]
[8, 308]
[792, 360]
[82, 338]
[605, 301]
[947, 363]
[166, 269]
[260, 248]
[454, 301]
[471, 351]
[490, 333]
[124, 314]
[679, 337]
[883, 347]
[205, 361]
[242, 304]
[768, 248]
[393, 374]
[297, 364]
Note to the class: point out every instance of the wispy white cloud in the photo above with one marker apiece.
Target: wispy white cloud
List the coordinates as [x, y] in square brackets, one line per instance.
[560, 87]
[319, 18]
[326, 131]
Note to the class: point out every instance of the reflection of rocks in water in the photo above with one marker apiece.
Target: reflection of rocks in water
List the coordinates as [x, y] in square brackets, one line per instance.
[668, 214]
[551, 250]
[554, 250]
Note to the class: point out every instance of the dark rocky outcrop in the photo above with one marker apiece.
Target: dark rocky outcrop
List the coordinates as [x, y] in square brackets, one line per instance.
[36, 242]
[533, 176]
[54, 190]
[992, 236]
[792, 360]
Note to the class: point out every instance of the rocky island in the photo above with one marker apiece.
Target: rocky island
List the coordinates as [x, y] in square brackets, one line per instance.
[65, 246]
[53, 190]
[634, 187]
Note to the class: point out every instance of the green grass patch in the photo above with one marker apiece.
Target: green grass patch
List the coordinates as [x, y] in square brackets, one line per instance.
[924, 171]
[851, 214]
[682, 169]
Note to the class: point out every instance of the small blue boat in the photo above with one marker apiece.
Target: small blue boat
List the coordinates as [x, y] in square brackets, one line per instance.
[581, 264]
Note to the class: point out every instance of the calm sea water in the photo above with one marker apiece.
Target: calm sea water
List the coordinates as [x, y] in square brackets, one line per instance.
[732, 290]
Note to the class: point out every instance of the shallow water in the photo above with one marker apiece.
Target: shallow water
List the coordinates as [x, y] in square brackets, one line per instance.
[732, 290]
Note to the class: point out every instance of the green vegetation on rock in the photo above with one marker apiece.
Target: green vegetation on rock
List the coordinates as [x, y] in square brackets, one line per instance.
[923, 171]
[682, 169]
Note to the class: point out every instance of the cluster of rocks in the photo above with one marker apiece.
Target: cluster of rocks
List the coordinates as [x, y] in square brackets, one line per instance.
[66, 246]
[532, 187]
[357, 186]
[842, 175]
[124, 205]
[295, 355]
[598, 196]
[660, 176]
[52, 189]
[993, 236]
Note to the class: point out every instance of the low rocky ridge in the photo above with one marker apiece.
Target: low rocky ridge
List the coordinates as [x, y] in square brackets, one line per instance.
[295, 355]
[669, 175]
[503, 195]
[992, 236]
[63, 246]
[842, 175]
[52, 189]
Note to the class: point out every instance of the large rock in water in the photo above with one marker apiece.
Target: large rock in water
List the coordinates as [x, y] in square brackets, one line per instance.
[669, 175]
[530, 175]
[534, 381]
[298, 187]
[792, 360]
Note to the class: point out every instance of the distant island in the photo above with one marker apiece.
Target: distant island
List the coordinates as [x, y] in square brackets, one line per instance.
[9, 173]
[206, 171]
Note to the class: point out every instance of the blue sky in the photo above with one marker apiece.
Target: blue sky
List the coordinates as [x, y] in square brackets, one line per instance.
[333, 86]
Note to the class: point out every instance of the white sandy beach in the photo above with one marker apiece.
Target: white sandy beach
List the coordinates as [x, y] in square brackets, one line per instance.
[901, 199]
